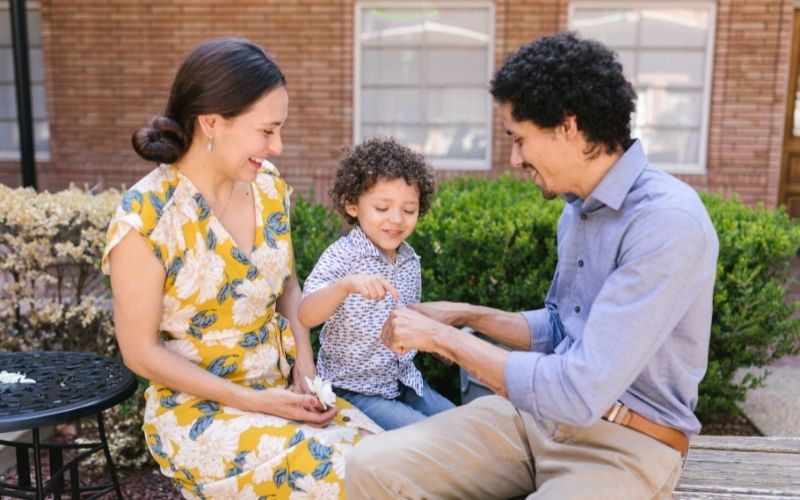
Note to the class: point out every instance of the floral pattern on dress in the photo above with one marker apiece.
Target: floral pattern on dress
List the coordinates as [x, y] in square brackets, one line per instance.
[219, 312]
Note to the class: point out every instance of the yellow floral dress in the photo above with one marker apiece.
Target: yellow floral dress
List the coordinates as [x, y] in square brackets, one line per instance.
[219, 312]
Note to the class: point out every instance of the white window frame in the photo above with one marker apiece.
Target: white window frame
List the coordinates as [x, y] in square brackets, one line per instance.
[702, 157]
[484, 163]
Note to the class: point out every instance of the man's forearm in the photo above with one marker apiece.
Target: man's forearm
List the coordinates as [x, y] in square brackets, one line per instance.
[510, 329]
[483, 360]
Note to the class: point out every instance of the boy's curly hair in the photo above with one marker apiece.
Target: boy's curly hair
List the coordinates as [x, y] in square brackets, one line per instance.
[380, 159]
[563, 75]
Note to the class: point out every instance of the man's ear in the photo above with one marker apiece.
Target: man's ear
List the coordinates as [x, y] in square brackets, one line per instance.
[569, 127]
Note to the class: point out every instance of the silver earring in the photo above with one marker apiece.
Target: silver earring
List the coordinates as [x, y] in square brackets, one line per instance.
[210, 145]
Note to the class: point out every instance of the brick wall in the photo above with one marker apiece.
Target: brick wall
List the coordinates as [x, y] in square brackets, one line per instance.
[109, 65]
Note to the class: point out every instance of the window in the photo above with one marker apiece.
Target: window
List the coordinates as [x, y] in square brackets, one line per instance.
[9, 130]
[421, 75]
[666, 51]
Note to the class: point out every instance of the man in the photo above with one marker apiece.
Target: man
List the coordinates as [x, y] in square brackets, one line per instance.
[602, 382]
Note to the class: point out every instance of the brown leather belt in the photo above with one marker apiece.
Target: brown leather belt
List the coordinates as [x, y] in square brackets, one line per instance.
[622, 415]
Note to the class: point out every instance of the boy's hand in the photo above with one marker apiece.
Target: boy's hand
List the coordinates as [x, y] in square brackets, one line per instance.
[370, 286]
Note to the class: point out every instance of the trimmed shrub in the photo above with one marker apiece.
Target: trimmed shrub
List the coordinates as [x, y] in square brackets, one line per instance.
[754, 320]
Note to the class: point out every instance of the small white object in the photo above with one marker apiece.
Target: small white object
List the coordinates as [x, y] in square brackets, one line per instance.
[323, 390]
[14, 378]
[269, 166]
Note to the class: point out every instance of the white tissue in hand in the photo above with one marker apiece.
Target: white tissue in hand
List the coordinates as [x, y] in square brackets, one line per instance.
[14, 378]
[323, 390]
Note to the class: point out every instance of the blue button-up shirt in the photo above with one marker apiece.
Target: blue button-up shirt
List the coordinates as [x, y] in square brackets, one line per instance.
[628, 315]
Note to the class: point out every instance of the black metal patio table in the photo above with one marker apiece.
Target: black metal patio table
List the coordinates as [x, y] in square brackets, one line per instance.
[69, 385]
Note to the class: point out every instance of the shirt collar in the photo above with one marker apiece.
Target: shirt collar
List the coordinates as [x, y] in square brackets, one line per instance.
[617, 183]
[363, 247]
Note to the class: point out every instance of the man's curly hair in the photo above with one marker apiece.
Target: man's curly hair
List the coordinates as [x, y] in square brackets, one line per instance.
[563, 75]
[380, 159]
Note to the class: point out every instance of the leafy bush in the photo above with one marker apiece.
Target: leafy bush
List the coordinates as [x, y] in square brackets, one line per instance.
[753, 322]
[53, 294]
[314, 228]
[492, 242]
[488, 242]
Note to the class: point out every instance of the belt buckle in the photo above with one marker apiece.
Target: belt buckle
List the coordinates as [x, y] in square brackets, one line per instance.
[617, 413]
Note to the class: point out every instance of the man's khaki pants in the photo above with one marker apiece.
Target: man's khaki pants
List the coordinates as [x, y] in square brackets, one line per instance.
[489, 449]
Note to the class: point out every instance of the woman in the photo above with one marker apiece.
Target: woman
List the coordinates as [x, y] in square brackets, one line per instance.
[205, 296]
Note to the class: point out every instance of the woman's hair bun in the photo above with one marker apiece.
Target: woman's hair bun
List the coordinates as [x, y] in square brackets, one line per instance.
[164, 141]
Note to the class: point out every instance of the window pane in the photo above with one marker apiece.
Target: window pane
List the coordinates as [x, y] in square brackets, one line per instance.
[392, 106]
[6, 66]
[36, 65]
[669, 107]
[411, 136]
[671, 68]
[670, 146]
[456, 142]
[8, 102]
[9, 138]
[436, 141]
[34, 27]
[628, 60]
[390, 66]
[41, 136]
[38, 102]
[457, 66]
[457, 105]
[5, 25]
[674, 28]
[390, 26]
[462, 27]
[614, 27]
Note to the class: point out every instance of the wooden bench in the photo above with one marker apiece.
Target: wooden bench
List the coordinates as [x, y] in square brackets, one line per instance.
[728, 467]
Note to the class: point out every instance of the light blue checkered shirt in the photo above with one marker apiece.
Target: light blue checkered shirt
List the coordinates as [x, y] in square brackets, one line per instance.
[628, 315]
[351, 353]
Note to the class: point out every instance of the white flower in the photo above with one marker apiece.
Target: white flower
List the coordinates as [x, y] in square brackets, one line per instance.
[273, 263]
[202, 271]
[184, 349]
[253, 303]
[269, 453]
[315, 490]
[338, 459]
[259, 364]
[174, 318]
[227, 337]
[228, 489]
[323, 390]
[358, 420]
[208, 453]
[14, 378]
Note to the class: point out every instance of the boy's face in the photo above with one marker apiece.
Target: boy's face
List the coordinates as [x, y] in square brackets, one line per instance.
[387, 213]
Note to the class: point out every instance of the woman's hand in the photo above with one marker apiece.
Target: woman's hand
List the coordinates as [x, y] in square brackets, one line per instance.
[301, 407]
[369, 286]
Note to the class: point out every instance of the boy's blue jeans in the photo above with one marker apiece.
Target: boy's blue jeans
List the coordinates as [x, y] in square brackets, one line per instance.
[405, 409]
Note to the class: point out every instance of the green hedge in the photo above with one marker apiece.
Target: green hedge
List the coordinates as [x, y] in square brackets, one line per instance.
[493, 242]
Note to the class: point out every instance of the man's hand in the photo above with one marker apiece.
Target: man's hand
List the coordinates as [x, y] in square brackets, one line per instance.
[406, 329]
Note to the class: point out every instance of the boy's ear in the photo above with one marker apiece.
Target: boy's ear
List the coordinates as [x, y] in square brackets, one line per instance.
[352, 210]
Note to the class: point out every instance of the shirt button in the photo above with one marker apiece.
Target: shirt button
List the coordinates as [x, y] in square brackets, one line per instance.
[584, 216]
[580, 262]
[577, 309]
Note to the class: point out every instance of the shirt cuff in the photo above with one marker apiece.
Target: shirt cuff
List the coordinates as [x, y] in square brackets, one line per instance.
[518, 376]
[539, 328]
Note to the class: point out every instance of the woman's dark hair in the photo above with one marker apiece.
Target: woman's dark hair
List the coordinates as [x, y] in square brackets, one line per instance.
[223, 76]
[562, 75]
[380, 159]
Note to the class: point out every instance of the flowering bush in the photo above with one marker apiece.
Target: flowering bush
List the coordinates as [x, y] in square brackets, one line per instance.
[52, 293]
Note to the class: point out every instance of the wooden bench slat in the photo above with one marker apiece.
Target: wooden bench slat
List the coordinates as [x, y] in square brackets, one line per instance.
[729, 467]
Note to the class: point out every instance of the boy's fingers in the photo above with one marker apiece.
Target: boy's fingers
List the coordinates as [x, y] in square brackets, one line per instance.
[389, 288]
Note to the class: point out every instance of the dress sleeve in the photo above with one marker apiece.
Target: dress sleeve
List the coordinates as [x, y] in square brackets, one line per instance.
[135, 212]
